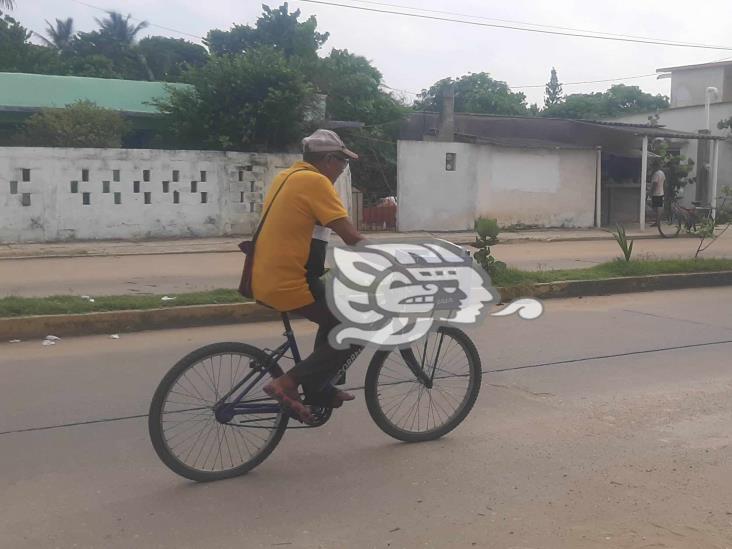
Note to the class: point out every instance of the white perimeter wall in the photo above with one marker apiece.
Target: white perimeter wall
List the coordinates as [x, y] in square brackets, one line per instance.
[234, 187]
[545, 187]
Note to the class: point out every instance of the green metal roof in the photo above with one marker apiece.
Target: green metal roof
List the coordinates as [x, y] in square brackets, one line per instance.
[33, 91]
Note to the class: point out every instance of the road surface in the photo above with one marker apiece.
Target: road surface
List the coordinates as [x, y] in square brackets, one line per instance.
[176, 273]
[603, 424]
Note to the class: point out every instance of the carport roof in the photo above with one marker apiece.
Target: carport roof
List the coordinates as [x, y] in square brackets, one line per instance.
[522, 131]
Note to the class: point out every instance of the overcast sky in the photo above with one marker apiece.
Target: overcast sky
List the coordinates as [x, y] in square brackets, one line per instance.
[414, 53]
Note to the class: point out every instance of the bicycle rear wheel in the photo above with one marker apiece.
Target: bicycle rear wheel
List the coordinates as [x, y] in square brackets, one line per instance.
[404, 407]
[183, 425]
[669, 225]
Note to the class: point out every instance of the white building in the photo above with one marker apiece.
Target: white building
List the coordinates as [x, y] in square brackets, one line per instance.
[701, 97]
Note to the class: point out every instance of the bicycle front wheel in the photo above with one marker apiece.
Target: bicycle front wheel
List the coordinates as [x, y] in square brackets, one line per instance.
[669, 225]
[185, 429]
[408, 409]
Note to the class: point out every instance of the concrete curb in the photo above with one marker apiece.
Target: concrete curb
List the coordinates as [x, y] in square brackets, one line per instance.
[29, 327]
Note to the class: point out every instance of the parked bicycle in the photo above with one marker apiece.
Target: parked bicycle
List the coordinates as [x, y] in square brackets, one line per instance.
[210, 419]
[670, 221]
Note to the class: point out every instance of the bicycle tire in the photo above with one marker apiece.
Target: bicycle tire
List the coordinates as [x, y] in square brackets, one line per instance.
[669, 225]
[376, 407]
[161, 439]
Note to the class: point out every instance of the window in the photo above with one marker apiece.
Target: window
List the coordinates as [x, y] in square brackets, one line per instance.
[241, 197]
[194, 186]
[204, 198]
[166, 186]
[252, 207]
[115, 175]
[26, 174]
[146, 175]
[74, 187]
[176, 176]
[118, 198]
[450, 162]
[85, 174]
[13, 187]
[241, 175]
[25, 199]
[148, 197]
[176, 197]
[251, 186]
[86, 199]
[135, 186]
[203, 176]
[105, 186]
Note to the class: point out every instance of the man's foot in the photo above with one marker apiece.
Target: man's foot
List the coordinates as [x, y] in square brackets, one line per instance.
[340, 397]
[284, 391]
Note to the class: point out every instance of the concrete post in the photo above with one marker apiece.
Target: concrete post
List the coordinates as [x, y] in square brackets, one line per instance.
[644, 176]
[446, 128]
[598, 190]
[715, 173]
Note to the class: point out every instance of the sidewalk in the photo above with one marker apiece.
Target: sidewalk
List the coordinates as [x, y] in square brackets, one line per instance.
[93, 248]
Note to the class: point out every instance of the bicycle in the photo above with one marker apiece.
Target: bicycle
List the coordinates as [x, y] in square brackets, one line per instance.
[669, 222]
[215, 393]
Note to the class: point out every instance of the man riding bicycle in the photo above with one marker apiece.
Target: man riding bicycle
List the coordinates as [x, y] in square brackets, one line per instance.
[290, 259]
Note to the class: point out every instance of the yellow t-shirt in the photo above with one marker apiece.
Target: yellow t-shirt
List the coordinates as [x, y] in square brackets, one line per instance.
[281, 252]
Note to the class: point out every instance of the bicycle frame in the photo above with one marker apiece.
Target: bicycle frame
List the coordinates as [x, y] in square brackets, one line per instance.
[225, 411]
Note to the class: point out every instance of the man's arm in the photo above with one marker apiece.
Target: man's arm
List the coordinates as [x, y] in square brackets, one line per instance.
[345, 229]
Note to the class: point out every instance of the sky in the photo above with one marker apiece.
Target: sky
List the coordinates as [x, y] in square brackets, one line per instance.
[414, 53]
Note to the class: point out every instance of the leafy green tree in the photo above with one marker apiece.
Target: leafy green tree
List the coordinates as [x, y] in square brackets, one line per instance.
[276, 28]
[170, 58]
[616, 101]
[60, 35]
[354, 92]
[476, 93]
[82, 124]
[677, 169]
[553, 90]
[257, 100]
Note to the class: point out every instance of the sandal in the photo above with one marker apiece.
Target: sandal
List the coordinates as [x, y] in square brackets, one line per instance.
[296, 409]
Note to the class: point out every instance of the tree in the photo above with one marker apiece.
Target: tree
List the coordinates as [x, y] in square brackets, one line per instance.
[676, 168]
[60, 35]
[118, 28]
[476, 93]
[617, 100]
[353, 86]
[257, 100]
[276, 28]
[553, 90]
[170, 58]
[82, 124]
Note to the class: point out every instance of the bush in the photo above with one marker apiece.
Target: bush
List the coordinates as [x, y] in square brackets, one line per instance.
[488, 231]
[82, 124]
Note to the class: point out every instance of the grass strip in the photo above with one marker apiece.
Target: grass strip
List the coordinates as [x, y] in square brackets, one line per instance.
[58, 305]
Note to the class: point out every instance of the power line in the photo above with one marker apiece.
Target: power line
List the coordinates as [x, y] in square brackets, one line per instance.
[510, 27]
[517, 22]
[141, 20]
[586, 81]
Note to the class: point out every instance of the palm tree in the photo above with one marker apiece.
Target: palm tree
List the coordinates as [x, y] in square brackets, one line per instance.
[6, 4]
[60, 35]
[119, 28]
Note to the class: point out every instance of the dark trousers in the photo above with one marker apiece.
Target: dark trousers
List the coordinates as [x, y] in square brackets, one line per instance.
[316, 371]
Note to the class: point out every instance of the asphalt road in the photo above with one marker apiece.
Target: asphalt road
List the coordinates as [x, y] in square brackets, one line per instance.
[603, 424]
[176, 273]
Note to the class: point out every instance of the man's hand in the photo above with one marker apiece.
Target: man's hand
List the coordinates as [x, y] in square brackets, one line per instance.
[345, 229]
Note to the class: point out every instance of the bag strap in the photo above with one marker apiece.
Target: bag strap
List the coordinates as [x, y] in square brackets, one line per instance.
[261, 223]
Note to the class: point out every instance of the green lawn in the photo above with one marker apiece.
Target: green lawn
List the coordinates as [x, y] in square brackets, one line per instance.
[55, 305]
